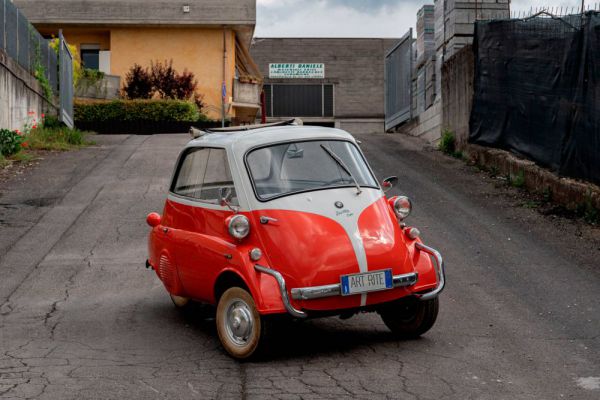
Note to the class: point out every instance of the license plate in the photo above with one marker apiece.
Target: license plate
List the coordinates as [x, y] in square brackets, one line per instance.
[366, 282]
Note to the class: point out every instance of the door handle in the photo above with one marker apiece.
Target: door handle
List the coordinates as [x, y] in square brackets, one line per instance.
[265, 220]
[165, 230]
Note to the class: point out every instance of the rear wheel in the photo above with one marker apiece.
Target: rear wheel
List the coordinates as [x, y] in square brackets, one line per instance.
[240, 326]
[410, 317]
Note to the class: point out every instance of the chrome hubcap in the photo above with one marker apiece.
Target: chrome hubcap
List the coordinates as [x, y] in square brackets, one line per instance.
[239, 322]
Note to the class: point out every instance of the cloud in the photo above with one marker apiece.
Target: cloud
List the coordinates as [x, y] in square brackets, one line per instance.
[354, 18]
[335, 18]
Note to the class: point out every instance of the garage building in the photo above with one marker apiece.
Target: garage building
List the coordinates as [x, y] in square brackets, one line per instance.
[325, 81]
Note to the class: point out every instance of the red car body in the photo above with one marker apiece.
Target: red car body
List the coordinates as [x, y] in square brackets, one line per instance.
[306, 239]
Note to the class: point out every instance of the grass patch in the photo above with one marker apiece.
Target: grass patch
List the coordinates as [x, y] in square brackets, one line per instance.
[518, 180]
[3, 162]
[58, 138]
[531, 204]
[447, 144]
[22, 156]
[588, 212]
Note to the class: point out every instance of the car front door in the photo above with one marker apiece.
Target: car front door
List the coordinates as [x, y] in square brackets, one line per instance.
[200, 234]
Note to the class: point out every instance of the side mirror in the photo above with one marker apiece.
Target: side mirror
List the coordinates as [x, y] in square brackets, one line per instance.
[153, 219]
[225, 196]
[389, 182]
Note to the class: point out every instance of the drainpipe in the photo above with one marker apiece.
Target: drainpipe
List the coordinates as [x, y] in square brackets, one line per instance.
[224, 85]
[263, 108]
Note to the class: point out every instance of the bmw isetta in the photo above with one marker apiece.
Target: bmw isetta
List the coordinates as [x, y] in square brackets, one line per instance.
[283, 219]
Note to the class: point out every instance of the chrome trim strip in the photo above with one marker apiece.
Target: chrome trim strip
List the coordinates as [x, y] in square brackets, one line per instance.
[441, 275]
[284, 295]
[317, 292]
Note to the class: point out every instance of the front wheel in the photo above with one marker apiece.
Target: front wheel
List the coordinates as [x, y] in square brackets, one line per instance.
[410, 318]
[239, 325]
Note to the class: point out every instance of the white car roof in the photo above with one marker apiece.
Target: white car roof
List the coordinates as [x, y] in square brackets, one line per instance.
[239, 142]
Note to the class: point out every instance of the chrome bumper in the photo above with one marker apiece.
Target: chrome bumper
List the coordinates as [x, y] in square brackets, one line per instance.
[284, 295]
[317, 292]
[439, 271]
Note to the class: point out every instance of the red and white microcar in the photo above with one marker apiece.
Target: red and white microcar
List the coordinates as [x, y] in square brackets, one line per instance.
[288, 219]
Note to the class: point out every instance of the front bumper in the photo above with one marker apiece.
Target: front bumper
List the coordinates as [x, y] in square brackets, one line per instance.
[317, 292]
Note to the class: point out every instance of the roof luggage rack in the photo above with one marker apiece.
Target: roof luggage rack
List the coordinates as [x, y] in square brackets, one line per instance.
[196, 133]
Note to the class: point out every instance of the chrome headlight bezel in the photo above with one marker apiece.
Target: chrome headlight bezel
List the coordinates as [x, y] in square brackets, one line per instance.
[402, 207]
[238, 226]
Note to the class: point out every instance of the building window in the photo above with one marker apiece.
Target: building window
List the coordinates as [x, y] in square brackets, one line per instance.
[90, 56]
[299, 100]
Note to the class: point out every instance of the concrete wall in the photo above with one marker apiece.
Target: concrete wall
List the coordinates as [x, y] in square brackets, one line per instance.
[458, 74]
[20, 93]
[427, 125]
[123, 12]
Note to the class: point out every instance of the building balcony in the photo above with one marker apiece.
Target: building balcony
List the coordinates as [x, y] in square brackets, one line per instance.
[246, 100]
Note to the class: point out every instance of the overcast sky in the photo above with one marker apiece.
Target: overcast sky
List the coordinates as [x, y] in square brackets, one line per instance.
[354, 18]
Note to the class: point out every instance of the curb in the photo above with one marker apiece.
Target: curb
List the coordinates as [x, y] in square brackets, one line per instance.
[569, 192]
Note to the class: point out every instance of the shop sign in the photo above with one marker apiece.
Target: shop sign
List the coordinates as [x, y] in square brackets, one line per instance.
[297, 70]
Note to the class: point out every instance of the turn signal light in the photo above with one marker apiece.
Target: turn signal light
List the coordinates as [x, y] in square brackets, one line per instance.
[412, 233]
[153, 219]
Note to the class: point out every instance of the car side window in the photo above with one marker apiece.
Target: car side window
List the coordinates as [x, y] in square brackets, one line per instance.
[217, 176]
[203, 172]
[191, 173]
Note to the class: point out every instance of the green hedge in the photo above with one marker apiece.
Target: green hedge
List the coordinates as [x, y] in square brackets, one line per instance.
[136, 110]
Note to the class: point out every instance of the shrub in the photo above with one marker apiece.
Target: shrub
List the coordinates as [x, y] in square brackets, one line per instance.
[164, 79]
[518, 180]
[51, 121]
[447, 143]
[77, 69]
[136, 110]
[186, 85]
[10, 142]
[138, 83]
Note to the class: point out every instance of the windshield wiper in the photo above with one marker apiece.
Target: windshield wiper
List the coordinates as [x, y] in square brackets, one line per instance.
[339, 161]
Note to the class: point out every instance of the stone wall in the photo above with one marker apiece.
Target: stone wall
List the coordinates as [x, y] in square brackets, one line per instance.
[20, 93]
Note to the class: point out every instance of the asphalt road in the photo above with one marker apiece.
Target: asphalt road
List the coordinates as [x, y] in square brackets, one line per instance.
[81, 318]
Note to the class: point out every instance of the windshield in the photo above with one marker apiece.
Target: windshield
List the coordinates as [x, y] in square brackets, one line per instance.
[288, 168]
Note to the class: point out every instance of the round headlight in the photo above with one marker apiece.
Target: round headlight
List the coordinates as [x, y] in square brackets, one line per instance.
[238, 226]
[402, 207]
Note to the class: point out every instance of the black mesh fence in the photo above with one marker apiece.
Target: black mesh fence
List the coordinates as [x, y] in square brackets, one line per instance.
[537, 91]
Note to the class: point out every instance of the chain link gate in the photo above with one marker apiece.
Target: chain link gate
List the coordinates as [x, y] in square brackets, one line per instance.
[65, 82]
[398, 82]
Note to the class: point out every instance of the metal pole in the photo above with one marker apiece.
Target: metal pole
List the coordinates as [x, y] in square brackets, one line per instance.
[582, 6]
[224, 85]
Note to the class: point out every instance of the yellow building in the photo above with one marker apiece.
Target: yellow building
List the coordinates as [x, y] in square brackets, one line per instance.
[207, 37]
